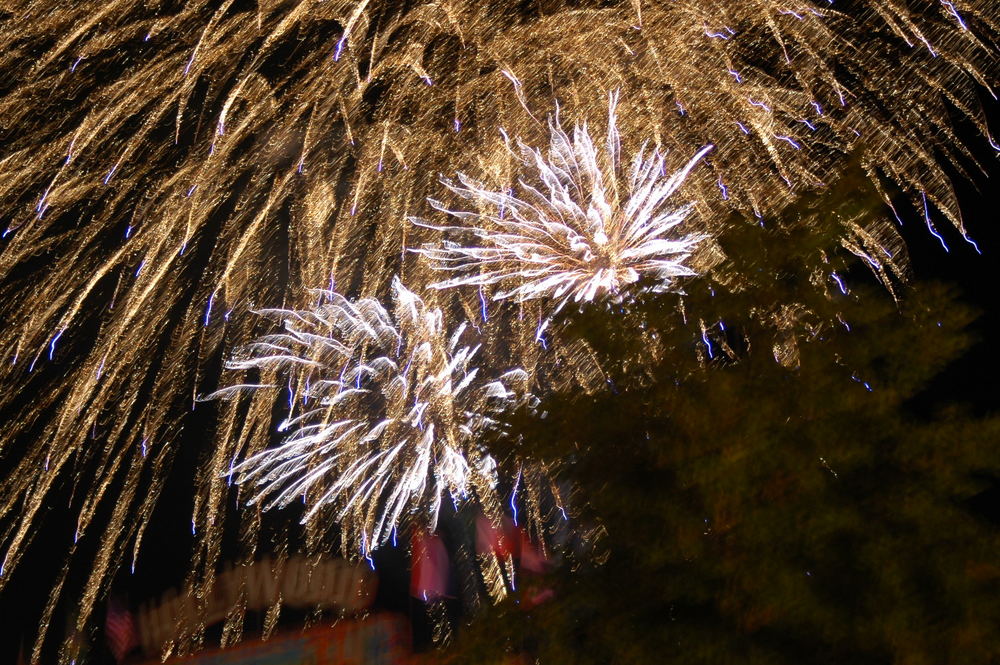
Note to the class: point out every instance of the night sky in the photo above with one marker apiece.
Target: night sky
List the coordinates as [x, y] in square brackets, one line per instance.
[165, 554]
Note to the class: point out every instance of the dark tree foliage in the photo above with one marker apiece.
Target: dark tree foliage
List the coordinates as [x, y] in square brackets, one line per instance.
[754, 512]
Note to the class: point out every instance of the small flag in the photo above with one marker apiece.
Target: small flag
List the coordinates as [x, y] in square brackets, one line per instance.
[119, 629]
[429, 577]
[489, 538]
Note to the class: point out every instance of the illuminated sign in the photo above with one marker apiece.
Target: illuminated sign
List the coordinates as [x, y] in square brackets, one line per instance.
[381, 639]
[296, 582]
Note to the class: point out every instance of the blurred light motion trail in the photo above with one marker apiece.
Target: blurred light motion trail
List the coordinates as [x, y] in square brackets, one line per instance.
[388, 411]
[166, 166]
[576, 235]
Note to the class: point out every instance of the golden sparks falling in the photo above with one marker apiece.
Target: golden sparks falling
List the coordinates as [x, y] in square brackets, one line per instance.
[168, 165]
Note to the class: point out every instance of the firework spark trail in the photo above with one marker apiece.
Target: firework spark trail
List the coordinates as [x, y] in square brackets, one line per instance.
[391, 412]
[572, 234]
[164, 164]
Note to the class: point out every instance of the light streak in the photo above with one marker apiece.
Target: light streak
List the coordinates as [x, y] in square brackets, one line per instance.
[205, 104]
[789, 140]
[708, 344]
[930, 225]
[972, 242]
[513, 497]
[52, 344]
[840, 282]
[954, 12]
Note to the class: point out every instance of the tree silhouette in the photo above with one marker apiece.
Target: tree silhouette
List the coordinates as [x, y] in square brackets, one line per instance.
[754, 511]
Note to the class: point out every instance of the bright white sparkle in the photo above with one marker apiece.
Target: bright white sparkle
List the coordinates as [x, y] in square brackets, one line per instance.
[579, 229]
[391, 407]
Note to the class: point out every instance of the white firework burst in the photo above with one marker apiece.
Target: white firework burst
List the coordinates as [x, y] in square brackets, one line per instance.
[580, 228]
[391, 409]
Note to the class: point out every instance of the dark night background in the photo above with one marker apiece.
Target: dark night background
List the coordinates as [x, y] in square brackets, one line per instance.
[167, 544]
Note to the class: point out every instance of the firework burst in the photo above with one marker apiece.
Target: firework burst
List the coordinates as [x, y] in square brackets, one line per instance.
[163, 166]
[580, 229]
[389, 411]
